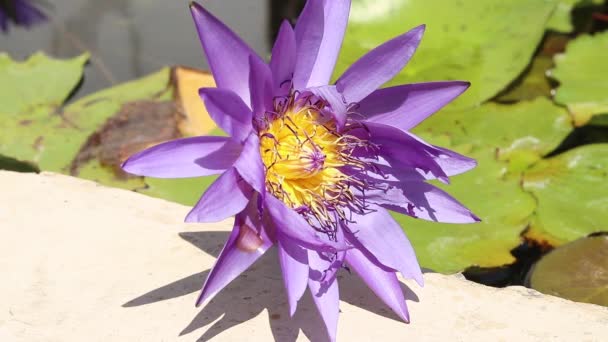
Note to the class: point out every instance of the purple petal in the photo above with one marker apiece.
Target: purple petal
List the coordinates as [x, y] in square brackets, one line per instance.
[27, 15]
[451, 162]
[228, 111]
[384, 283]
[325, 266]
[227, 54]
[3, 21]
[260, 86]
[227, 196]
[291, 224]
[327, 302]
[250, 165]
[283, 60]
[403, 150]
[421, 200]
[405, 106]
[335, 100]
[378, 66]
[379, 234]
[294, 264]
[182, 158]
[247, 242]
[319, 33]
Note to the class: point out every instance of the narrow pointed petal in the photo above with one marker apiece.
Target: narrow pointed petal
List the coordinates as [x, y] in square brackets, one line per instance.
[247, 242]
[291, 224]
[403, 150]
[336, 101]
[421, 200]
[379, 66]
[228, 111]
[405, 106]
[384, 283]
[325, 266]
[227, 54]
[227, 196]
[283, 59]
[328, 304]
[319, 33]
[260, 86]
[453, 163]
[183, 158]
[250, 166]
[294, 265]
[379, 234]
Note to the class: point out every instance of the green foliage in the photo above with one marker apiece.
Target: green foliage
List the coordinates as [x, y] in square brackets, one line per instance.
[488, 43]
[505, 139]
[561, 19]
[582, 72]
[577, 271]
[502, 205]
[572, 192]
[40, 133]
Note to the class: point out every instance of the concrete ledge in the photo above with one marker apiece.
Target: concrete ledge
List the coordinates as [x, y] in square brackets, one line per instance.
[82, 262]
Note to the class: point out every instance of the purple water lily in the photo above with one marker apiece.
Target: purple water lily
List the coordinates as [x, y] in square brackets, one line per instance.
[310, 167]
[21, 12]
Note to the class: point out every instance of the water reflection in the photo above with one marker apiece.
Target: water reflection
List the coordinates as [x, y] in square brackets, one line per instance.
[130, 38]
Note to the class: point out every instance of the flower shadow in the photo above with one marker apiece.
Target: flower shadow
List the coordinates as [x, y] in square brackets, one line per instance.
[257, 289]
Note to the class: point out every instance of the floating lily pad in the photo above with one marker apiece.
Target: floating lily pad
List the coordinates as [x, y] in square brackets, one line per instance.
[463, 40]
[576, 271]
[534, 83]
[582, 72]
[92, 136]
[39, 81]
[503, 207]
[561, 19]
[572, 192]
[519, 133]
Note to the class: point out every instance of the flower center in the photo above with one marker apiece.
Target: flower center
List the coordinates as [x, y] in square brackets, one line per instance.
[304, 156]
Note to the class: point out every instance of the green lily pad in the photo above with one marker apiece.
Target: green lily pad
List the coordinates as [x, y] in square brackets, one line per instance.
[503, 207]
[561, 19]
[463, 40]
[186, 191]
[572, 193]
[577, 271]
[519, 133]
[92, 136]
[582, 72]
[534, 83]
[505, 140]
[39, 81]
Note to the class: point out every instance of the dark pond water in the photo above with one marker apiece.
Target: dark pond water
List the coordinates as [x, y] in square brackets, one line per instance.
[131, 38]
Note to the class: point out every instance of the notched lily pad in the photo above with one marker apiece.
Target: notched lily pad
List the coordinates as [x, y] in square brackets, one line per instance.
[463, 40]
[572, 193]
[561, 19]
[582, 72]
[576, 271]
[533, 84]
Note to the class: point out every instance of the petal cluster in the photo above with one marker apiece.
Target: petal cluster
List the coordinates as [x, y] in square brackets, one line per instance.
[314, 167]
[21, 12]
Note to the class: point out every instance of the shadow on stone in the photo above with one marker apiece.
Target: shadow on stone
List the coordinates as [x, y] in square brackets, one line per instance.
[257, 289]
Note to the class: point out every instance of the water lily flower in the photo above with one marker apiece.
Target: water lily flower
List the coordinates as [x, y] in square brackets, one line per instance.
[313, 167]
[21, 12]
